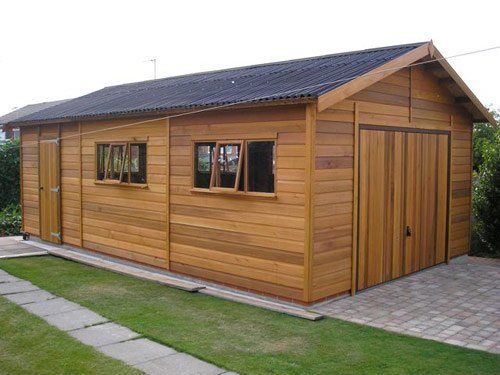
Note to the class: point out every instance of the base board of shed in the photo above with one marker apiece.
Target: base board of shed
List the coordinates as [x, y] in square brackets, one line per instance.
[185, 283]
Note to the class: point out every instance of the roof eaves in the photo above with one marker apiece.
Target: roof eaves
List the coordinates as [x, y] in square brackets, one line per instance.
[488, 117]
[357, 84]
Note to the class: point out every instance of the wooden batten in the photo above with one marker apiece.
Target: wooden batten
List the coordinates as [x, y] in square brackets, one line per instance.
[311, 111]
[167, 193]
[21, 180]
[410, 94]
[366, 80]
[355, 201]
[39, 132]
[450, 191]
[80, 180]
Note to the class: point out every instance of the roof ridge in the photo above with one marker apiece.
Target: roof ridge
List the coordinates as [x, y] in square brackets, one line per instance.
[300, 78]
[367, 50]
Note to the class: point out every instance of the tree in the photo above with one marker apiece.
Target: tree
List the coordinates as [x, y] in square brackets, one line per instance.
[9, 174]
[483, 133]
[486, 199]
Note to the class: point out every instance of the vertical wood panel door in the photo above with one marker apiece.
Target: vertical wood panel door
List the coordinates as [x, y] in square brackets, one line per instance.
[403, 195]
[426, 200]
[49, 192]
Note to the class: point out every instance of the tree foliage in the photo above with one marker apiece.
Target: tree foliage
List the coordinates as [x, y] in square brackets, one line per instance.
[10, 210]
[486, 199]
[483, 133]
[10, 220]
[9, 174]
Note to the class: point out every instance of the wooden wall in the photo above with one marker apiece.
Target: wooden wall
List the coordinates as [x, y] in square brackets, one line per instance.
[333, 202]
[29, 180]
[124, 221]
[386, 103]
[70, 185]
[253, 243]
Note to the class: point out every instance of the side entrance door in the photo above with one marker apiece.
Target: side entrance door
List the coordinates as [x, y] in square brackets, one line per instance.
[403, 201]
[50, 226]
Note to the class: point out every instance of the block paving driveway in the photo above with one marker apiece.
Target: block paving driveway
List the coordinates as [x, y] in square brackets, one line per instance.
[457, 303]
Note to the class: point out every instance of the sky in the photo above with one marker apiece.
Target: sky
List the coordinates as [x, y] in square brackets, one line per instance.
[51, 50]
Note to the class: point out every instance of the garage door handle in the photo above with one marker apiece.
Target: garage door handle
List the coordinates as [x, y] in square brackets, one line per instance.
[408, 231]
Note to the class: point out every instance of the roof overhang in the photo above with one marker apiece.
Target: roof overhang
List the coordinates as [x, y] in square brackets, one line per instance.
[444, 73]
[176, 112]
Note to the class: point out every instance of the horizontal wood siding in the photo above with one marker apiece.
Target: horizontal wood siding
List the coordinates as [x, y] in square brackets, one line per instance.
[70, 185]
[248, 242]
[461, 186]
[333, 202]
[29, 170]
[122, 221]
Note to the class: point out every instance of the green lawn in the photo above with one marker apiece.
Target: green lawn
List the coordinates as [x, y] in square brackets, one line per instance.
[29, 345]
[246, 339]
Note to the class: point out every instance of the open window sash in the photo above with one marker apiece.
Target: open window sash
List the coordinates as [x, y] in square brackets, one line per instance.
[114, 167]
[223, 165]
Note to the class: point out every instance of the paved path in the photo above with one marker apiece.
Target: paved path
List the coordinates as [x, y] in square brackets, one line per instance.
[458, 304]
[12, 247]
[109, 338]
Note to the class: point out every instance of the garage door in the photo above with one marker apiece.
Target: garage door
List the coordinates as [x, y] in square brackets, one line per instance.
[403, 200]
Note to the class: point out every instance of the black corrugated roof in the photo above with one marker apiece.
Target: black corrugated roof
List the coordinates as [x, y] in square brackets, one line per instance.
[303, 78]
[28, 110]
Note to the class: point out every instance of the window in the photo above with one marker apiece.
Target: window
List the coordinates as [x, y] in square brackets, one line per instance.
[238, 166]
[121, 162]
[260, 166]
[203, 159]
[227, 171]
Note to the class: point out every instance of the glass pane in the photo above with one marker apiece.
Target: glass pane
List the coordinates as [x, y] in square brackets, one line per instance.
[203, 159]
[134, 157]
[102, 156]
[138, 163]
[117, 158]
[261, 166]
[229, 156]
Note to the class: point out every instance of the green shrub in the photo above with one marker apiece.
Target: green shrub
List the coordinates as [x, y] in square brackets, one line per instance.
[10, 220]
[486, 201]
[9, 174]
[483, 133]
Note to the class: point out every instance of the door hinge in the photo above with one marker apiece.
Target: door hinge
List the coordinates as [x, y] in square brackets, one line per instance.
[56, 190]
[57, 234]
[55, 140]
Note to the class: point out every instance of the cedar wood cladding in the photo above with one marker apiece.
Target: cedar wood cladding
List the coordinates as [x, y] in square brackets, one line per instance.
[298, 245]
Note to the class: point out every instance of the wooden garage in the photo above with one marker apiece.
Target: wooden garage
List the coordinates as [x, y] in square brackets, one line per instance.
[302, 179]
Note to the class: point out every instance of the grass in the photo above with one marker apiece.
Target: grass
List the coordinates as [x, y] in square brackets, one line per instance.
[29, 345]
[246, 339]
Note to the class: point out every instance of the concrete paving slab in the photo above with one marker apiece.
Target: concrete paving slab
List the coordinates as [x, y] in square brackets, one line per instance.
[51, 306]
[30, 297]
[22, 254]
[16, 246]
[179, 363]
[8, 279]
[17, 287]
[76, 319]
[3, 273]
[103, 334]
[137, 351]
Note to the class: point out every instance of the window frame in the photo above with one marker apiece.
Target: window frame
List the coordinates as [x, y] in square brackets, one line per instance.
[242, 166]
[126, 159]
[215, 175]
